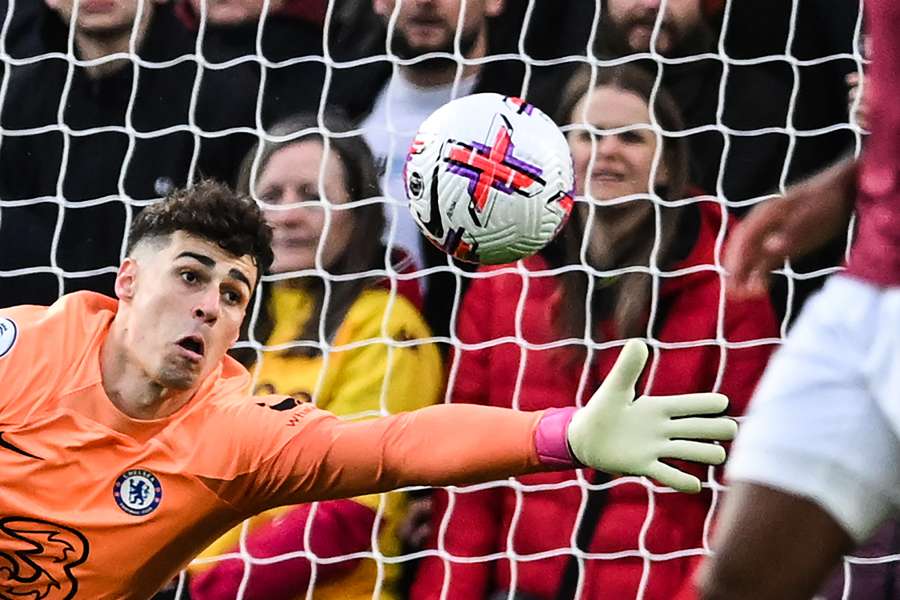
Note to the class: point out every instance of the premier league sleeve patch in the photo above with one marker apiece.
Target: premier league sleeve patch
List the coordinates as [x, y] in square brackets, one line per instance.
[137, 492]
[8, 335]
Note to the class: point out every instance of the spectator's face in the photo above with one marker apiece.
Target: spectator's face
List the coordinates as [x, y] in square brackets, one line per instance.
[233, 12]
[299, 214]
[184, 301]
[424, 26]
[101, 17]
[621, 166]
[636, 19]
[621, 161]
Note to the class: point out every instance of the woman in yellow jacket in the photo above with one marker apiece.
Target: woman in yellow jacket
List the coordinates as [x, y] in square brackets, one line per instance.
[334, 332]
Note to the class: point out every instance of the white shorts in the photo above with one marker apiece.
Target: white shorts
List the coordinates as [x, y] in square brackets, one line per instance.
[825, 420]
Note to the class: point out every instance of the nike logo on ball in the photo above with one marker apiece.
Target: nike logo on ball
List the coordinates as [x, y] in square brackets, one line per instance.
[434, 224]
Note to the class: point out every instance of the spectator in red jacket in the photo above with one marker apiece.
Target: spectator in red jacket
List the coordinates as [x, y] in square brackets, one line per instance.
[647, 270]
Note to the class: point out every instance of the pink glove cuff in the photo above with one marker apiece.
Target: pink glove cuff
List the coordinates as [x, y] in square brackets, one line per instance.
[551, 441]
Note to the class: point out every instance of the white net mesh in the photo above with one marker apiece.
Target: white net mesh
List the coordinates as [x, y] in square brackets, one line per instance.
[60, 212]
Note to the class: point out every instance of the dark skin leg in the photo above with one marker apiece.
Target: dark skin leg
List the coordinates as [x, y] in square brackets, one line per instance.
[771, 545]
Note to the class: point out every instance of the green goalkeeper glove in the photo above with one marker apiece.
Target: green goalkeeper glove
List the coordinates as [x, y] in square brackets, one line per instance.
[618, 434]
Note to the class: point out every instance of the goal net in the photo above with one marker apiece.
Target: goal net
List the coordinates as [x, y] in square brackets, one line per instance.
[89, 141]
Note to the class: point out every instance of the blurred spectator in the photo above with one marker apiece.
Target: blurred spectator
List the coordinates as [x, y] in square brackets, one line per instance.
[675, 310]
[870, 579]
[545, 29]
[292, 29]
[392, 102]
[398, 104]
[755, 96]
[368, 378]
[856, 101]
[857, 94]
[109, 131]
[22, 39]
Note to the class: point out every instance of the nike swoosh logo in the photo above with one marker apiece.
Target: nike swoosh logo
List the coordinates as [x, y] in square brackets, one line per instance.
[9, 446]
[434, 224]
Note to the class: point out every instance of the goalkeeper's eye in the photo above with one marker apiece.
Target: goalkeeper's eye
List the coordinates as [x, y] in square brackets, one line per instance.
[189, 277]
[233, 297]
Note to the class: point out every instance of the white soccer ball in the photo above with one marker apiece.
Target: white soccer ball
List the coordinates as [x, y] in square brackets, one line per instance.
[489, 179]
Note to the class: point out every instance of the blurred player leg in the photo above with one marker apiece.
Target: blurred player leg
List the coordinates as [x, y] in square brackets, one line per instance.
[772, 544]
[815, 462]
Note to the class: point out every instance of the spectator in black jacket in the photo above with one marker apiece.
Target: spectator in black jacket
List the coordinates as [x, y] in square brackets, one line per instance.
[88, 143]
[763, 97]
[754, 97]
[291, 38]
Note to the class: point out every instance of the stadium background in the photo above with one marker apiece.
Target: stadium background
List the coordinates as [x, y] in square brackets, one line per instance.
[81, 152]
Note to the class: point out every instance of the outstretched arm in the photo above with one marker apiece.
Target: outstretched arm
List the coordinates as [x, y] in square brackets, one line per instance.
[437, 445]
[461, 444]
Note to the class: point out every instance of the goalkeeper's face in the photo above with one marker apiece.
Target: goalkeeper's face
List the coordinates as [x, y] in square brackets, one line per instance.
[182, 299]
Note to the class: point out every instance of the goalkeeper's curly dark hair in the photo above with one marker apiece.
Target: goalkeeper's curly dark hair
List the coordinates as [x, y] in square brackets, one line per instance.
[213, 211]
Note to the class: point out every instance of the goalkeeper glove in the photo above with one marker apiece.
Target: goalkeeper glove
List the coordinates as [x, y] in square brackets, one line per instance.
[618, 434]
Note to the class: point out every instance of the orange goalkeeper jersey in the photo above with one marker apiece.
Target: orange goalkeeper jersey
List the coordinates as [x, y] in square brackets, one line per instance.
[94, 504]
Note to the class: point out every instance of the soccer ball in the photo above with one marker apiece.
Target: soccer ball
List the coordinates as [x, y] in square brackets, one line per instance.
[489, 179]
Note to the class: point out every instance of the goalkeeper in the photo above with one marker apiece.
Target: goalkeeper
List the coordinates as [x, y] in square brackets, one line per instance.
[127, 443]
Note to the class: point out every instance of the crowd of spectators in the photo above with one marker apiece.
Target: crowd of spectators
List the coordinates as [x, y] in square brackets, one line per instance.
[619, 236]
[109, 105]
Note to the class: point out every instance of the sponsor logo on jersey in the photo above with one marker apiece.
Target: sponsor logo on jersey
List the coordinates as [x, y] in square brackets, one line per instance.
[38, 559]
[8, 334]
[137, 492]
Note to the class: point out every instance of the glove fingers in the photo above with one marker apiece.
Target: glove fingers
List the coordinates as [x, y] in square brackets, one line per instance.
[703, 428]
[701, 452]
[686, 405]
[672, 477]
[627, 370]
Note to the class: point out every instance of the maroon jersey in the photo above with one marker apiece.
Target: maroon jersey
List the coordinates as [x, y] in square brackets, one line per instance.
[876, 254]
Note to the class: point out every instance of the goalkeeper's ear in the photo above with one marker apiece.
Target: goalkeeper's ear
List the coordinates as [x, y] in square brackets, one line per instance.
[126, 279]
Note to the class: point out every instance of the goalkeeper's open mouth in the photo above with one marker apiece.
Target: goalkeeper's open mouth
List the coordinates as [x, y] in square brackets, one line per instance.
[192, 347]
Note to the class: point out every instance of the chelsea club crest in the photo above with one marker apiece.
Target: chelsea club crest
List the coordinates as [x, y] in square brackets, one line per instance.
[8, 335]
[137, 492]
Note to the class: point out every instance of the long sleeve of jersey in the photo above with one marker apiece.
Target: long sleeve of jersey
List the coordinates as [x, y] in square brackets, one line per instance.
[474, 525]
[325, 457]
